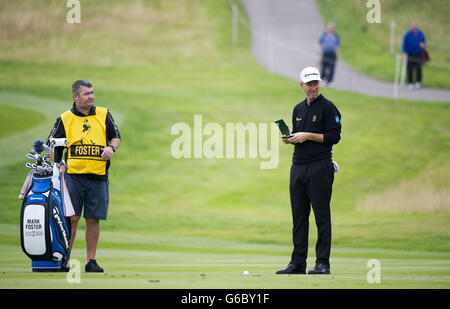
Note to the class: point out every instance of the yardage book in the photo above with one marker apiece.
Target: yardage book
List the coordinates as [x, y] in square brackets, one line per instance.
[283, 128]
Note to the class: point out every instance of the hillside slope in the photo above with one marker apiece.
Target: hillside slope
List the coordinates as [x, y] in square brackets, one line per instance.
[373, 58]
[154, 64]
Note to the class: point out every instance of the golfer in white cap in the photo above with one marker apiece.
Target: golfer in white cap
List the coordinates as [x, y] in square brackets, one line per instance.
[316, 124]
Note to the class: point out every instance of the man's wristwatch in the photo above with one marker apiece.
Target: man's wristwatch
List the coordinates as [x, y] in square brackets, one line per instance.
[114, 148]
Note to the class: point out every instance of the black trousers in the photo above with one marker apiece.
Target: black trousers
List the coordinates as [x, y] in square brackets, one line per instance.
[311, 184]
[328, 65]
[414, 64]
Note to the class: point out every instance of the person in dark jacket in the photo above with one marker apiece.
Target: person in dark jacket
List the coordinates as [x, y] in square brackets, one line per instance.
[316, 128]
[412, 47]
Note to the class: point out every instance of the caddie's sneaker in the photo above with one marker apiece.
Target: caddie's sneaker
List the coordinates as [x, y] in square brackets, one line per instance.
[92, 267]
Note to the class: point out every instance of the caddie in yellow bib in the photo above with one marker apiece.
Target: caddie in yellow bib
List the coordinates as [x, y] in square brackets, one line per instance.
[92, 139]
[86, 138]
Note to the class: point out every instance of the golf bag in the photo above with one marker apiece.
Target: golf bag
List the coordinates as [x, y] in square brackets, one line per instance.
[44, 230]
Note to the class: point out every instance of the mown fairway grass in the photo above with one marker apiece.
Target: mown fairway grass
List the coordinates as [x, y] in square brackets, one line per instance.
[138, 261]
[201, 222]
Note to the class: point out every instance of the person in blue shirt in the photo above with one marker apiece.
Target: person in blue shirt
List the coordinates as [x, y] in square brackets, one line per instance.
[413, 43]
[330, 44]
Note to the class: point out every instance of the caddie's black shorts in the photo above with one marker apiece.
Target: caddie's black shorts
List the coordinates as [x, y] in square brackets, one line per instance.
[92, 195]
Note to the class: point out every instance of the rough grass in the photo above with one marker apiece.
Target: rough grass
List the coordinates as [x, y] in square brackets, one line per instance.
[426, 193]
[37, 31]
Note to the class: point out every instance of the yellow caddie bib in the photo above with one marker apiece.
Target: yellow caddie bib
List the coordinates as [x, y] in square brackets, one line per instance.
[86, 138]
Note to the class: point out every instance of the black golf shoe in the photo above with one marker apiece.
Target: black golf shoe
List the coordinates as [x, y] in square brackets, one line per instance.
[320, 269]
[92, 267]
[292, 269]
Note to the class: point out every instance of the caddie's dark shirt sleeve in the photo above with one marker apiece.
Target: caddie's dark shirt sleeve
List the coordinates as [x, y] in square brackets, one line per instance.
[57, 130]
[112, 131]
[333, 126]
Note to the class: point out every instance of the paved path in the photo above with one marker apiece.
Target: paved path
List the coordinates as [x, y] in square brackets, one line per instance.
[284, 33]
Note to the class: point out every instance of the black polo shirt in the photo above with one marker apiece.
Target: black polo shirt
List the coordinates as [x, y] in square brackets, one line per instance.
[321, 116]
[112, 131]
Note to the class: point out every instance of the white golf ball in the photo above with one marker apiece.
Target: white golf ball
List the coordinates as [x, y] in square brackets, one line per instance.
[246, 273]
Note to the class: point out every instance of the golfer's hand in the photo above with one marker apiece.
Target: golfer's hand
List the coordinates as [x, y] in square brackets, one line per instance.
[107, 153]
[284, 139]
[298, 137]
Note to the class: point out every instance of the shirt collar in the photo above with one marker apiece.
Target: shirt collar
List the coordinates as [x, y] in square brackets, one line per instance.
[319, 98]
[77, 113]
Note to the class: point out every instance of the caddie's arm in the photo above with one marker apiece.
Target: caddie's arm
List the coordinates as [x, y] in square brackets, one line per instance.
[113, 136]
[109, 150]
[57, 131]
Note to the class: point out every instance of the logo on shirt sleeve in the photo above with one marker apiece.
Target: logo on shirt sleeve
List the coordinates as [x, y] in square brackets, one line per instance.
[336, 118]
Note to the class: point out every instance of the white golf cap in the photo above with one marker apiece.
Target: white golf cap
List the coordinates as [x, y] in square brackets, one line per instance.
[308, 74]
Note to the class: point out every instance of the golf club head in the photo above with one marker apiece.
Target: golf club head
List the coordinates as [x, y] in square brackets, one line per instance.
[46, 149]
[38, 145]
[32, 165]
[31, 156]
[335, 166]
